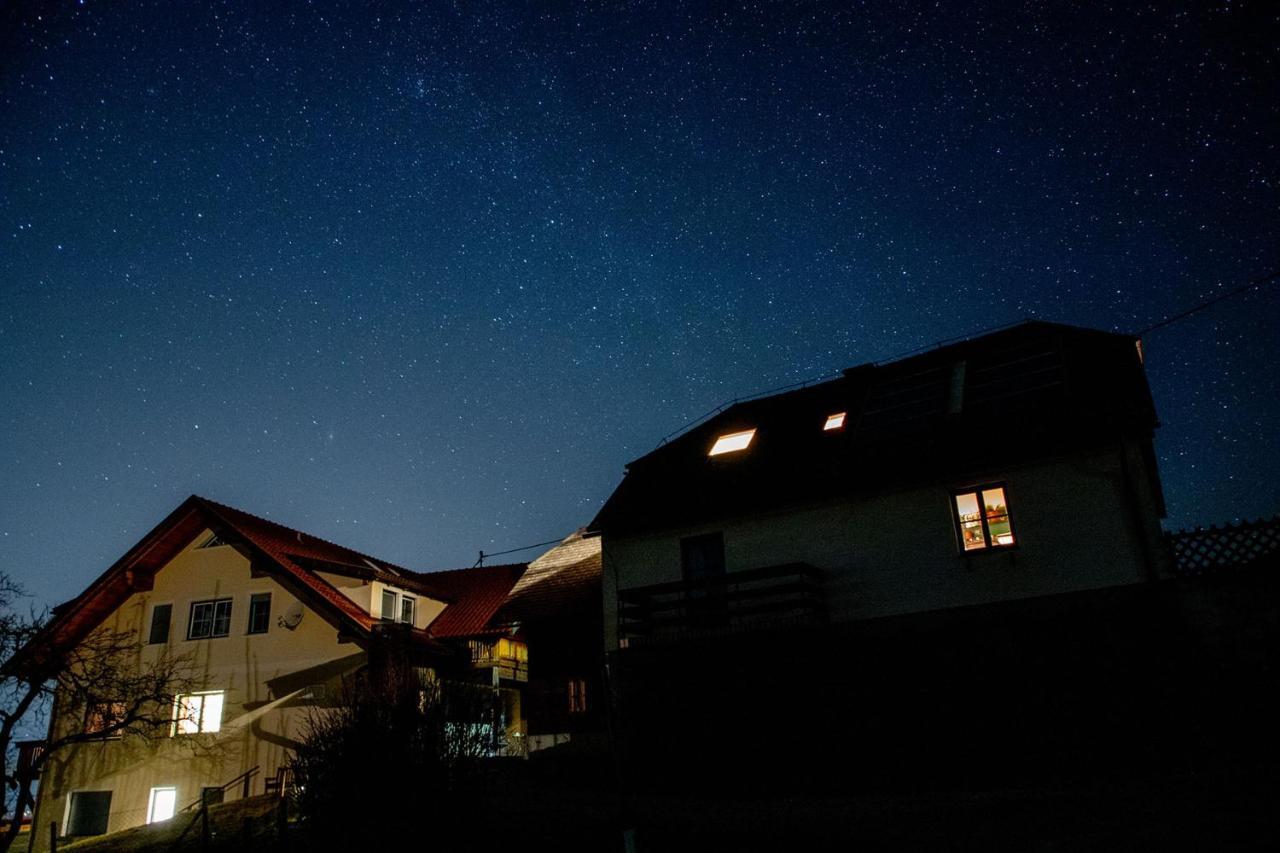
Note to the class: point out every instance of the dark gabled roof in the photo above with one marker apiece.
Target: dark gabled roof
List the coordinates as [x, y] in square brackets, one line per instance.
[1031, 391]
[563, 582]
[478, 594]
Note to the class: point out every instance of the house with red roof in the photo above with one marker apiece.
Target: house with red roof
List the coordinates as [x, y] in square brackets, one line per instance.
[274, 620]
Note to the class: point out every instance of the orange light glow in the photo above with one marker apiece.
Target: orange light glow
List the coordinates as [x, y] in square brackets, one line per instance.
[835, 421]
[732, 442]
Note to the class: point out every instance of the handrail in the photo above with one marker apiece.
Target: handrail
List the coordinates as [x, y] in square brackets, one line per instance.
[727, 579]
[245, 775]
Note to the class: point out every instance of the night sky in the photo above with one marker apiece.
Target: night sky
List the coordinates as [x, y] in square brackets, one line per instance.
[422, 279]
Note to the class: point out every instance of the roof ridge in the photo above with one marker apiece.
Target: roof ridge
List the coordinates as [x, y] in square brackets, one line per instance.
[437, 572]
[217, 505]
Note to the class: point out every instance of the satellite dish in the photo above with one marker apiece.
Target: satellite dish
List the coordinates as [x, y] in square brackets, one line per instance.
[291, 617]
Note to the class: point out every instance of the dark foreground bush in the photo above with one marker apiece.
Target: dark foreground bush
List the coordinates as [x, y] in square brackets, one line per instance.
[389, 767]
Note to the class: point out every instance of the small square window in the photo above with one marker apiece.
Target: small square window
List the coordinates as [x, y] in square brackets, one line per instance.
[209, 619]
[732, 442]
[835, 421]
[101, 716]
[88, 813]
[196, 713]
[259, 613]
[162, 805]
[982, 518]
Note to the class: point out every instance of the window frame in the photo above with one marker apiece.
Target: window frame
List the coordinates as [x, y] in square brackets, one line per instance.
[255, 597]
[151, 804]
[200, 723]
[151, 627]
[93, 710]
[412, 601]
[395, 605]
[70, 809]
[989, 544]
[729, 443]
[213, 618]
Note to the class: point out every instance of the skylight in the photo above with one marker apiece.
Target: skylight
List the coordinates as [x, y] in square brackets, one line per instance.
[732, 442]
[835, 421]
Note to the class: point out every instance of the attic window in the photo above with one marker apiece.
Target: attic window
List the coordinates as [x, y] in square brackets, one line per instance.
[732, 442]
[835, 421]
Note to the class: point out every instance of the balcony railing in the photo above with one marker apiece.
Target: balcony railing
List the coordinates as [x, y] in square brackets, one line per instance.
[509, 657]
[752, 600]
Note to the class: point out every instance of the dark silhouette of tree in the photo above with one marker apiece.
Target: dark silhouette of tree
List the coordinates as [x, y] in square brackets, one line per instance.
[100, 681]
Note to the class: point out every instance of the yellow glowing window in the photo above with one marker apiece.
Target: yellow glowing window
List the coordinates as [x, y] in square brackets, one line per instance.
[194, 713]
[835, 421]
[982, 516]
[732, 442]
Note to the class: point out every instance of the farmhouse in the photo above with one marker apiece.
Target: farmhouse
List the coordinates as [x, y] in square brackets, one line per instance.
[275, 620]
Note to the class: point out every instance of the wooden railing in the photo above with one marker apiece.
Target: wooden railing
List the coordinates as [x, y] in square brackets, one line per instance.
[509, 657]
[751, 600]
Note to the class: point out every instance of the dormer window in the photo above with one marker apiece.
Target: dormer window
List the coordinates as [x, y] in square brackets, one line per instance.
[835, 421]
[732, 442]
[398, 607]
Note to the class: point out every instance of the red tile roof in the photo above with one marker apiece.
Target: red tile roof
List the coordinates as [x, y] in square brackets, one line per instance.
[277, 549]
[477, 593]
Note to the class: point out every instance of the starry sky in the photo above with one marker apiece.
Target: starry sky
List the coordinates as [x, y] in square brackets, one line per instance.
[422, 278]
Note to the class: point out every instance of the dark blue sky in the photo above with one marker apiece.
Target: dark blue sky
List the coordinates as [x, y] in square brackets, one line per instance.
[421, 279]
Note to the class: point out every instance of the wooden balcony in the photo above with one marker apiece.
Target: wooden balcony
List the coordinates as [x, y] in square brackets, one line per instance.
[773, 597]
[509, 657]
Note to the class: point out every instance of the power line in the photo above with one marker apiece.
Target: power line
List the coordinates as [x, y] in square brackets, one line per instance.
[483, 555]
[1244, 288]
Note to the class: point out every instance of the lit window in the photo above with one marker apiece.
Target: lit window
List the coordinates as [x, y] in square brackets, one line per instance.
[102, 716]
[577, 696]
[209, 619]
[835, 421]
[982, 516]
[162, 805]
[732, 442]
[195, 713]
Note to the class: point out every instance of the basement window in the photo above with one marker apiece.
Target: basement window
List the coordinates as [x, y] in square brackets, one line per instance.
[835, 421]
[732, 442]
[982, 518]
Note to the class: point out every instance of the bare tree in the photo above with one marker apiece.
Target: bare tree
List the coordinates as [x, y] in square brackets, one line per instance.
[101, 681]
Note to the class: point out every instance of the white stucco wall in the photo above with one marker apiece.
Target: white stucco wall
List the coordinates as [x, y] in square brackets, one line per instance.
[255, 730]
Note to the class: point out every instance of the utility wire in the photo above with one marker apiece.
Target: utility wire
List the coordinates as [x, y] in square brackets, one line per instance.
[1244, 288]
[483, 555]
